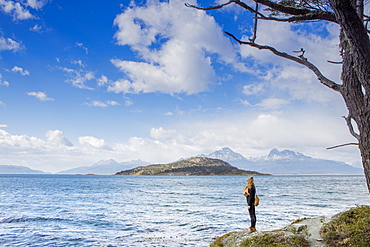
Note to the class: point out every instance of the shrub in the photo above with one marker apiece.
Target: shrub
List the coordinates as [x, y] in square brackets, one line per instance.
[349, 228]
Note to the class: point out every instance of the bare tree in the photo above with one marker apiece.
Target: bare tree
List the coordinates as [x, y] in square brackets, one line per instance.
[354, 48]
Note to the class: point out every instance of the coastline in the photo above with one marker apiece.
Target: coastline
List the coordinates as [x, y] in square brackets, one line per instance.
[308, 228]
[348, 228]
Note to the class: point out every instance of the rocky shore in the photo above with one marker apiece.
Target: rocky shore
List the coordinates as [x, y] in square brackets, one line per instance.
[348, 229]
[307, 228]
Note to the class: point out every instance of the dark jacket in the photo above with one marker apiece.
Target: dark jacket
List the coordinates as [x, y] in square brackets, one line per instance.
[251, 196]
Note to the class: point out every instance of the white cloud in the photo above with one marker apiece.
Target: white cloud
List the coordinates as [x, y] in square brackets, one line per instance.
[82, 47]
[56, 137]
[18, 141]
[79, 78]
[272, 103]
[253, 89]
[3, 126]
[93, 142]
[37, 4]
[20, 70]
[245, 102]
[104, 104]
[36, 28]
[3, 82]
[15, 9]
[18, 9]
[185, 40]
[103, 80]
[286, 76]
[39, 29]
[128, 102]
[40, 96]
[162, 134]
[78, 62]
[9, 44]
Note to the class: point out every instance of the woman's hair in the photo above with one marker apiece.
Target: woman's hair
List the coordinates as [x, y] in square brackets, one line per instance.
[250, 182]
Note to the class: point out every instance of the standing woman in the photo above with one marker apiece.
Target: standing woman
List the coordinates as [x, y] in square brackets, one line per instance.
[250, 193]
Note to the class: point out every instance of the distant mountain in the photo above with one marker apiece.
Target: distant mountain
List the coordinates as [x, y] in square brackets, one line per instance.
[105, 167]
[229, 156]
[226, 154]
[8, 169]
[285, 162]
[196, 166]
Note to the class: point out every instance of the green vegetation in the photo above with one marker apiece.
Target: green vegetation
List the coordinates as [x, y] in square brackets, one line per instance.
[271, 239]
[218, 241]
[299, 220]
[196, 166]
[349, 228]
[275, 239]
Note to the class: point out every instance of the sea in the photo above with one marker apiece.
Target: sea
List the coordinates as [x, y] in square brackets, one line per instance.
[83, 210]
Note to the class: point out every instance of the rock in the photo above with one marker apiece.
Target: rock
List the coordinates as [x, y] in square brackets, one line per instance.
[308, 228]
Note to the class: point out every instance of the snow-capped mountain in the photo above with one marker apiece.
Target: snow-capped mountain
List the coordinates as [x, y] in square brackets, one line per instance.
[284, 162]
[275, 154]
[226, 154]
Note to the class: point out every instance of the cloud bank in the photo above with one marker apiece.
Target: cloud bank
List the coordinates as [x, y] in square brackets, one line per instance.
[249, 135]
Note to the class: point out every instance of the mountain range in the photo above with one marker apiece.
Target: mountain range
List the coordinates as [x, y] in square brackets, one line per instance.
[9, 169]
[105, 167]
[285, 162]
[277, 162]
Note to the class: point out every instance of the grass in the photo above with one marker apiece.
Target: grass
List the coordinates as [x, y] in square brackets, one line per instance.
[278, 239]
[349, 229]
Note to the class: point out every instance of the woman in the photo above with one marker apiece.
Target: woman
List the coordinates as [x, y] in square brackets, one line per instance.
[250, 193]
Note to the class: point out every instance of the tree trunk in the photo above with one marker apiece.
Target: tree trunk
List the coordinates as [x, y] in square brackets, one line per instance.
[355, 45]
[364, 146]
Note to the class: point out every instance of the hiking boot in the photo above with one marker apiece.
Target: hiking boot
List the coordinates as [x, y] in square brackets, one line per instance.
[251, 229]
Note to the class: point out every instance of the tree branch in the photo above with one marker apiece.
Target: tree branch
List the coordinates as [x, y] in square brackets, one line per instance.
[210, 7]
[342, 145]
[255, 25]
[350, 127]
[298, 14]
[297, 18]
[301, 60]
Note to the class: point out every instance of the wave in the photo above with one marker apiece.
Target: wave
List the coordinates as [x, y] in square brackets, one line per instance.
[9, 220]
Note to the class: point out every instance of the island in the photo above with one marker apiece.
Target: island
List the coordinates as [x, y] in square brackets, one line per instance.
[196, 166]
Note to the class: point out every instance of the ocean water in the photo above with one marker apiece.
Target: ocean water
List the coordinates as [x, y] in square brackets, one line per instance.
[72, 210]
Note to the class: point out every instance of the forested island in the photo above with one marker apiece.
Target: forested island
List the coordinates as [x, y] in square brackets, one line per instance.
[196, 166]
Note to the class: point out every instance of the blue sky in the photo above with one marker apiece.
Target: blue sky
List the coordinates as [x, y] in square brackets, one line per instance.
[82, 81]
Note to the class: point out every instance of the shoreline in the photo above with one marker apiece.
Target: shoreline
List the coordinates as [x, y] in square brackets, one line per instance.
[309, 228]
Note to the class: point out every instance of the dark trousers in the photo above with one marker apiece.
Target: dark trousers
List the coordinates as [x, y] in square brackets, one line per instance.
[252, 214]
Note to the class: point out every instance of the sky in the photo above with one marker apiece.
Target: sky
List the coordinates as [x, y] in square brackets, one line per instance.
[86, 80]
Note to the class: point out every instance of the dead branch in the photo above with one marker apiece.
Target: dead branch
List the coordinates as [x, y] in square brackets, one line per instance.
[297, 18]
[245, 6]
[342, 145]
[333, 62]
[255, 25]
[350, 127]
[298, 14]
[208, 8]
[301, 60]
